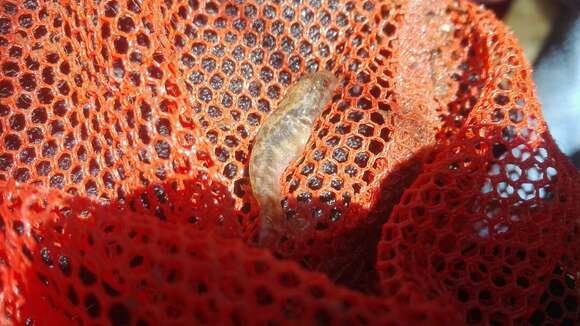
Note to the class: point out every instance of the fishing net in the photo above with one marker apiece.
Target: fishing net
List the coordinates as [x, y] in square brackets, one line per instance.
[429, 191]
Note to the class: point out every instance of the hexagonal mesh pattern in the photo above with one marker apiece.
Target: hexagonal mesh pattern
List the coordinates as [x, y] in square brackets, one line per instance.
[85, 264]
[430, 185]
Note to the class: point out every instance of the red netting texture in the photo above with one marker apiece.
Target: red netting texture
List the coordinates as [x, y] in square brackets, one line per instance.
[429, 192]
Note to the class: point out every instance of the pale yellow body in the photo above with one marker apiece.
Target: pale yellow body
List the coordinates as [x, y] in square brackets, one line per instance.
[282, 139]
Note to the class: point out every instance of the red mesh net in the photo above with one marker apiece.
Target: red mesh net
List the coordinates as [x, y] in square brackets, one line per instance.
[80, 263]
[491, 222]
[430, 185]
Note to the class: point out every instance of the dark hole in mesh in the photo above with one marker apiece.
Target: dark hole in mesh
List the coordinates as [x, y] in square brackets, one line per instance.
[376, 147]
[289, 279]
[340, 155]
[119, 315]
[499, 150]
[86, 276]
[571, 303]
[523, 282]
[501, 99]
[202, 288]
[172, 276]
[72, 296]
[474, 316]
[305, 197]
[27, 253]
[18, 227]
[554, 310]
[499, 281]
[322, 317]
[92, 305]
[463, 295]
[12, 142]
[321, 226]
[125, 24]
[537, 318]
[65, 265]
[263, 296]
[485, 298]
[109, 290]
[45, 256]
[556, 288]
[315, 183]
[121, 45]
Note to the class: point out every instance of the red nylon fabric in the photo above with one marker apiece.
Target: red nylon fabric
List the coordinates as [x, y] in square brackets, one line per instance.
[430, 190]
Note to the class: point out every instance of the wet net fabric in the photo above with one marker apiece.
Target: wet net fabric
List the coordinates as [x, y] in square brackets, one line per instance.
[430, 191]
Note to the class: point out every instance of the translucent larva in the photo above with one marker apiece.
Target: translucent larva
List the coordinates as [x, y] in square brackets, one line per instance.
[281, 139]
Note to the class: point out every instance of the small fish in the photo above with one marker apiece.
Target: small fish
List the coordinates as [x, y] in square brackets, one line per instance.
[281, 140]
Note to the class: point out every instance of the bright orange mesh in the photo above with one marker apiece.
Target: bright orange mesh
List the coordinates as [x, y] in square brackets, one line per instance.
[430, 183]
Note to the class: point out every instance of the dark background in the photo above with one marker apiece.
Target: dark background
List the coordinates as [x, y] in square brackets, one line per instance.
[557, 67]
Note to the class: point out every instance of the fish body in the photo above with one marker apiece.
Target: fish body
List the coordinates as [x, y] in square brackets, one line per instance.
[281, 140]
